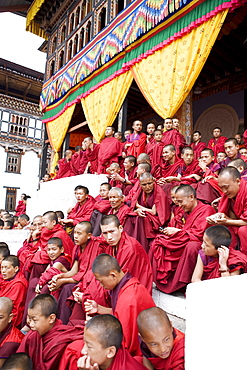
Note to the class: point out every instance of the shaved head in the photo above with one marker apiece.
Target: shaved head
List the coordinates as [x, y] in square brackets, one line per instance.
[239, 162]
[230, 172]
[186, 190]
[6, 305]
[85, 225]
[142, 158]
[146, 176]
[104, 264]
[152, 319]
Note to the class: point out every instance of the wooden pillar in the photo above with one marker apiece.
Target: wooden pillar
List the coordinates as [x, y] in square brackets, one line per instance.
[122, 116]
[44, 156]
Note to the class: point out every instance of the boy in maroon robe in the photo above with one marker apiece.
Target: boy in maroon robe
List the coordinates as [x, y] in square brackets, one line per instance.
[110, 150]
[197, 144]
[217, 258]
[232, 206]
[135, 142]
[10, 336]
[217, 142]
[128, 178]
[232, 151]
[102, 348]
[241, 166]
[21, 207]
[162, 346]
[83, 209]
[64, 166]
[101, 206]
[173, 254]
[156, 154]
[128, 298]
[173, 136]
[168, 168]
[13, 285]
[91, 154]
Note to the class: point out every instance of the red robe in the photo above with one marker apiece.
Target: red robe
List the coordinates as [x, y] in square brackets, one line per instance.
[75, 164]
[82, 212]
[192, 168]
[149, 147]
[16, 290]
[123, 213]
[82, 162]
[156, 157]
[138, 146]
[92, 157]
[10, 339]
[239, 208]
[217, 145]
[20, 209]
[110, 150]
[64, 169]
[166, 169]
[176, 359]
[132, 177]
[198, 148]
[174, 137]
[174, 257]
[46, 350]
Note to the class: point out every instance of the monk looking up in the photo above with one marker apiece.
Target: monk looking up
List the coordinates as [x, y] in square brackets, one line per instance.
[162, 345]
[110, 150]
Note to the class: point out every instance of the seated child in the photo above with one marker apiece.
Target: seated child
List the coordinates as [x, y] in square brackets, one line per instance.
[216, 259]
[162, 345]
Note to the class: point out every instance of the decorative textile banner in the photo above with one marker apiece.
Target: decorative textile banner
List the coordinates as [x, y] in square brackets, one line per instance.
[102, 106]
[57, 130]
[31, 25]
[166, 77]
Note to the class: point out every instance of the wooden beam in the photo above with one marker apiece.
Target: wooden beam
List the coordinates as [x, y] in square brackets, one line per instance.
[26, 91]
[14, 8]
[6, 84]
[78, 126]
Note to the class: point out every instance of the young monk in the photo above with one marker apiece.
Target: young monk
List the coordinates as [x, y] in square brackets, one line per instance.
[13, 285]
[101, 206]
[47, 338]
[168, 168]
[216, 259]
[232, 151]
[241, 166]
[221, 156]
[91, 154]
[197, 144]
[162, 345]
[156, 154]
[10, 336]
[217, 142]
[128, 179]
[4, 251]
[128, 298]
[135, 142]
[18, 361]
[173, 136]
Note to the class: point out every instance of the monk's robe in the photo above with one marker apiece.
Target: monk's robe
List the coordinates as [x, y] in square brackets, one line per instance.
[28, 249]
[166, 169]
[198, 148]
[92, 157]
[64, 169]
[236, 261]
[244, 175]
[110, 150]
[245, 138]
[156, 157]
[46, 350]
[16, 290]
[174, 137]
[128, 299]
[192, 168]
[176, 359]
[174, 257]
[132, 177]
[122, 360]
[219, 166]
[238, 207]
[217, 145]
[75, 164]
[82, 212]
[146, 228]
[178, 217]
[149, 147]
[124, 214]
[20, 209]
[101, 207]
[128, 198]
[10, 339]
[138, 144]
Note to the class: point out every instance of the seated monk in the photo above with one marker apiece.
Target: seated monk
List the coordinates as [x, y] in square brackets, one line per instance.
[232, 206]
[232, 151]
[82, 210]
[38, 260]
[13, 285]
[128, 178]
[47, 339]
[18, 361]
[162, 345]
[217, 142]
[198, 146]
[152, 207]
[241, 166]
[143, 158]
[113, 171]
[101, 206]
[75, 161]
[168, 168]
[177, 213]
[243, 151]
[221, 156]
[135, 142]
[141, 168]
[128, 298]
[10, 336]
[102, 348]
[174, 253]
[216, 259]
[64, 167]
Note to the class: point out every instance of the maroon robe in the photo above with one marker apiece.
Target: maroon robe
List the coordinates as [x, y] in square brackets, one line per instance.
[10, 339]
[110, 150]
[46, 350]
[82, 212]
[75, 164]
[174, 257]
[132, 177]
[217, 145]
[149, 147]
[166, 169]
[138, 144]
[64, 169]
[174, 137]
[92, 157]
[123, 213]
[20, 209]
[198, 148]
[156, 157]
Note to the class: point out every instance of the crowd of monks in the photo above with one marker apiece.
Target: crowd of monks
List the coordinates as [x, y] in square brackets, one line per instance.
[78, 295]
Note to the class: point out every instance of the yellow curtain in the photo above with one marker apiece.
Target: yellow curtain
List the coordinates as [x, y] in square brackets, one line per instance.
[57, 130]
[102, 105]
[166, 77]
[31, 25]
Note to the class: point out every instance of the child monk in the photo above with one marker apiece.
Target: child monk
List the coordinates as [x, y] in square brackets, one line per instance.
[162, 345]
[13, 285]
[10, 336]
[47, 338]
[216, 258]
[128, 298]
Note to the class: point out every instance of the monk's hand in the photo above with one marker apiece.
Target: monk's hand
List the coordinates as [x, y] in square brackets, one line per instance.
[215, 203]
[223, 257]
[170, 230]
[67, 221]
[38, 289]
[54, 285]
[202, 164]
[77, 295]
[56, 277]
[91, 307]
[217, 219]
[208, 178]
[161, 181]
[84, 364]
[140, 212]
[123, 154]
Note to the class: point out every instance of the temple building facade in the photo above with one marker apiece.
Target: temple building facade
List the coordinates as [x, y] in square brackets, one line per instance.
[110, 62]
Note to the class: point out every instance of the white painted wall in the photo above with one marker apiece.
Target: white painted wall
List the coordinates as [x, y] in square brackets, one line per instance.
[216, 324]
[14, 238]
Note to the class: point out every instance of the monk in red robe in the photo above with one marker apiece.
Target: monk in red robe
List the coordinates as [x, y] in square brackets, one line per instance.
[232, 206]
[21, 207]
[141, 168]
[172, 136]
[152, 207]
[123, 212]
[216, 259]
[10, 336]
[197, 144]
[92, 154]
[101, 207]
[174, 253]
[150, 138]
[83, 209]
[162, 345]
[13, 285]
[232, 151]
[128, 298]
[75, 161]
[100, 350]
[217, 142]
[169, 166]
[110, 150]
[135, 142]
[156, 154]
[64, 166]
[241, 166]
[128, 178]
[47, 338]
